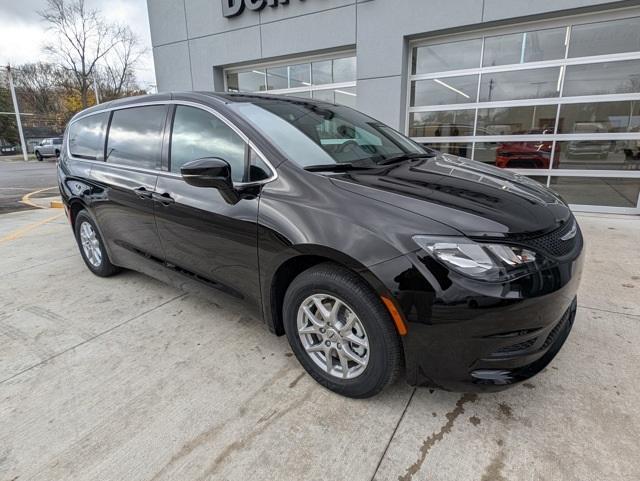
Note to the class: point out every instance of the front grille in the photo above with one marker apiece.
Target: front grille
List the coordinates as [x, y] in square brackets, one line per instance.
[552, 243]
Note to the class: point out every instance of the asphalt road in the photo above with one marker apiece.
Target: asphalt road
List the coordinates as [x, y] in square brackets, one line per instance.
[18, 178]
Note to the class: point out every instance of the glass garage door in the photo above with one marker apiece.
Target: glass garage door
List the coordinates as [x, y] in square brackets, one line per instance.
[332, 79]
[556, 101]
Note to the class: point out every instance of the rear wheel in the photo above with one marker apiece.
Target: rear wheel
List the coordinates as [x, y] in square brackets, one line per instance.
[340, 331]
[92, 247]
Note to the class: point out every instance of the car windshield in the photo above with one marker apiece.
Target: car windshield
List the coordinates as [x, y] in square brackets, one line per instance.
[313, 134]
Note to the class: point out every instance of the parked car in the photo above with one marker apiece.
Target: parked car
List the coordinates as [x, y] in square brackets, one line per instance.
[371, 254]
[48, 148]
[8, 149]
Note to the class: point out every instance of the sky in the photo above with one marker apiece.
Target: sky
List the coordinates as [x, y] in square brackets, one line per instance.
[22, 32]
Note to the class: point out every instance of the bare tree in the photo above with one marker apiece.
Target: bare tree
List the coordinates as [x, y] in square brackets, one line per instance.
[82, 38]
[38, 86]
[116, 77]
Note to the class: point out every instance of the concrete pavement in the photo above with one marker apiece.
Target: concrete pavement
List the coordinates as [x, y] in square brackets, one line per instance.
[18, 178]
[128, 379]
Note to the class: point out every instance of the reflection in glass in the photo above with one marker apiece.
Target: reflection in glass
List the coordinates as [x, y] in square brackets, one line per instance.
[289, 76]
[447, 56]
[135, 136]
[609, 191]
[602, 38]
[344, 69]
[441, 124]
[524, 47]
[450, 90]
[514, 155]
[598, 117]
[322, 72]
[86, 137]
[198, 134]
[598, 154]
[520, 84]
[535, 119]
[458, 148]
[252, 81]
[602, 78]
[277, 78]
[344, 96]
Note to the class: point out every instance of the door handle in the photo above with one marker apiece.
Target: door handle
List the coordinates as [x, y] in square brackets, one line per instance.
[164, 199]
[143, 193]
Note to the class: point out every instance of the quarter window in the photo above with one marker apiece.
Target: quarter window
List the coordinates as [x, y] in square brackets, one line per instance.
[135, 136]
[86, 137]
[198, 134]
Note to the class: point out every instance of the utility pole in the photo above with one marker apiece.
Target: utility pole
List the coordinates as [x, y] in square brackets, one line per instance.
[17, 111]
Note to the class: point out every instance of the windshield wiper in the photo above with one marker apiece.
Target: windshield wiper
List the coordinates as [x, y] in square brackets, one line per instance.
[403, 157]
[343, 167]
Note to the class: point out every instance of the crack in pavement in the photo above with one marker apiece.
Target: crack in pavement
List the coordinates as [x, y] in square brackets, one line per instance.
[438, 436]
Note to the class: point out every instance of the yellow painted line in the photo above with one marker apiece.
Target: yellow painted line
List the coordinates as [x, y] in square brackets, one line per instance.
[16, 234]
[26, 199]
[56, 204]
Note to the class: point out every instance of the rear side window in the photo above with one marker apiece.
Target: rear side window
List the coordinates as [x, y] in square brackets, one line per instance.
[86, 137]
[57, 141]
[198, 134]
[135, 136]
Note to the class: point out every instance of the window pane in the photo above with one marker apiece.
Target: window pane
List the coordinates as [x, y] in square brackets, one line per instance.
[447, 56]
[232, 82]
[598, 154]
[441, 124]
[615, 192]
[198, 134]
[135, 136]
[598, 117]
[324, 95]
[300, 75]
[535, 119]
[605, 37]
[514, 155]
[346, 96]
[520, 84]
[344, 70]
[524, 47]
[86, 137]
[322, 72]
[251, 81]
[277, 78]
[258, 169]
[459, 149]
[451, 90]
[303, 95]
[602, 78]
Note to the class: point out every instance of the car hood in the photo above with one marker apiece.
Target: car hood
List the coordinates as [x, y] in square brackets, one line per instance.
[474, 198]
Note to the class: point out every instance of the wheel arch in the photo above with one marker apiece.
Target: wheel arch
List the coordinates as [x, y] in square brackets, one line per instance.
[305, 257]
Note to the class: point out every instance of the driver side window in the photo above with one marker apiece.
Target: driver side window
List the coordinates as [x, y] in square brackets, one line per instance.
[197, 134]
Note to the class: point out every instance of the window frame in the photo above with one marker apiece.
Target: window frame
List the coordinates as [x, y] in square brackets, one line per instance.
[568, 22]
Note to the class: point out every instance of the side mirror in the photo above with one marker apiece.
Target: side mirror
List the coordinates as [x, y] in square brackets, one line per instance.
[211, 172]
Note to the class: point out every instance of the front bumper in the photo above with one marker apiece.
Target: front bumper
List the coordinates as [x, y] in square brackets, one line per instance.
[465, 335]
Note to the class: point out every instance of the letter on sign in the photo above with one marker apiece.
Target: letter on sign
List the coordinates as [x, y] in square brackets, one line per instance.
[232, 8]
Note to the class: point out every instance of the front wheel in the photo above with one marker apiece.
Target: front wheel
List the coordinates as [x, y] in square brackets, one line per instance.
[38, 156]
[340, 331]
[92, 247]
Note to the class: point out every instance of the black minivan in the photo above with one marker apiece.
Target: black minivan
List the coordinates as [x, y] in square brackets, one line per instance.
[373, 254]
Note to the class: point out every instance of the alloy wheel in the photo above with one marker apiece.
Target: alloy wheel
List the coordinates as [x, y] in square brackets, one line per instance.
[333, 336]
[90, 244]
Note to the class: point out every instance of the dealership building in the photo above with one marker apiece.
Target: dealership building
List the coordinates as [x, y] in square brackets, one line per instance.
[550, 89]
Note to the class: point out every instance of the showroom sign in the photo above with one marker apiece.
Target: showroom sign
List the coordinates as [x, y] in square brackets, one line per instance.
[232, 8]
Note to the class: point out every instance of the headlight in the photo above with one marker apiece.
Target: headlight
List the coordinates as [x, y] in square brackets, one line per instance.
[489, 262]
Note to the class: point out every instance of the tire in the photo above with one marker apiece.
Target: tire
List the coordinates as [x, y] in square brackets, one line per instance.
[101, 266]
[57, 154]
[383, 358]
[38, 156]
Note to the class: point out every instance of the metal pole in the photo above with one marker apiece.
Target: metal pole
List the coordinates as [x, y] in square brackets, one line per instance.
[17, 111]
[95, 90]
